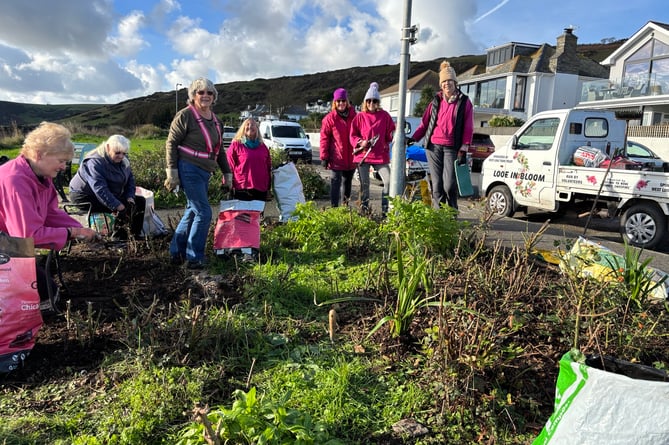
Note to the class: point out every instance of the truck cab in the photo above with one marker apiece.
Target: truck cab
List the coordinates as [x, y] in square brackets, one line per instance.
[288, 136]
[527, 166]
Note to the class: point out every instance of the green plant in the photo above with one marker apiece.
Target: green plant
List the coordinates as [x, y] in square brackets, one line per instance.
[639, 279]
[412, 284]
[253, 420]
[505, 121]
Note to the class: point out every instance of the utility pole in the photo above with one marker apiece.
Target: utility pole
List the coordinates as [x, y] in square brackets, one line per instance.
[176, 97]
[398, 163]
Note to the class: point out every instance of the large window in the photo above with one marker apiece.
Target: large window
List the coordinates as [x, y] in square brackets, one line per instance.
[647, 70]
[519, 94]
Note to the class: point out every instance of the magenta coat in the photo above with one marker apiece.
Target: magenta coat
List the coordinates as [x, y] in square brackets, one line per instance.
[366, 125]
[251, 167]
[335, 144]
[29, 207]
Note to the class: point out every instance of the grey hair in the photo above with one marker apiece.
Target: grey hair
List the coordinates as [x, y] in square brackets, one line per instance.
[201, 83]
[117, 141]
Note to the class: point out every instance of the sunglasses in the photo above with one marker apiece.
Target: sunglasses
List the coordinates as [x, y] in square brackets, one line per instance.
[374, 101]
[341, 101]
[208, 93]
[120, 152]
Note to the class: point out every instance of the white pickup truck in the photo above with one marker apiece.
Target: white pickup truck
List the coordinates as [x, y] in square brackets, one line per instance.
[535, 170]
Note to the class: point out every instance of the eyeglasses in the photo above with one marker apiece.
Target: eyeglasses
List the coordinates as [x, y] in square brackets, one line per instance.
[341, 101]
[374, 101]
[120, 152]
[208, 93]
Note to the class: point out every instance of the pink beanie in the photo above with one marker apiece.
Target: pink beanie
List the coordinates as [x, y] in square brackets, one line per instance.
[340, 94]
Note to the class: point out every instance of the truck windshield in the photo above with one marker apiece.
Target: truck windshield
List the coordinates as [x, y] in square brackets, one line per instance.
[539, 135]
[286, 131]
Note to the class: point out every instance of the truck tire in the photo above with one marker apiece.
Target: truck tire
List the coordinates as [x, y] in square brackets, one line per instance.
[500, 201]
[643, 225]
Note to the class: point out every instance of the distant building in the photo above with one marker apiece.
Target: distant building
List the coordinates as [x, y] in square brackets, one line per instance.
[415, 85]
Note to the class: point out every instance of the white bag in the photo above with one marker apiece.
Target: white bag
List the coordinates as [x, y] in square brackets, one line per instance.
[153, 225]
[594, 407]
[287, 190]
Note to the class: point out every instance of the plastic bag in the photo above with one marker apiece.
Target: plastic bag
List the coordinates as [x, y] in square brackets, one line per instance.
[287, 190]
[592, 259]
[238, 226]
[594, 406]
[153, 226]
[589, 156]
[20, 316]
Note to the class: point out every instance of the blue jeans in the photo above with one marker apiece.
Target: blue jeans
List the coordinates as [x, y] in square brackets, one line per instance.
[337, 187]
[190, 236]
[440, 161]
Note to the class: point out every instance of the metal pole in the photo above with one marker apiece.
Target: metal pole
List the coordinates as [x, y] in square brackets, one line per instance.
[398, 162]
[176, 97]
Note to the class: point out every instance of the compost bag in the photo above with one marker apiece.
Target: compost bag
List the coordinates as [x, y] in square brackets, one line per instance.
[288, 190]
[238, 227]
[20, 316]
[607, 401]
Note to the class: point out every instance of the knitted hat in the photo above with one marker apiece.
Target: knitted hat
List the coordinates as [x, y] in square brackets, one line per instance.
[446, 72]
[373, 91]
[340, 94]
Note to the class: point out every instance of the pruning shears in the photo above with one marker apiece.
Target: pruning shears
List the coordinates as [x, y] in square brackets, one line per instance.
[371, 143]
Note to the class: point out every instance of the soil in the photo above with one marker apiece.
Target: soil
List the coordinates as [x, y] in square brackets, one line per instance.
[99, 282]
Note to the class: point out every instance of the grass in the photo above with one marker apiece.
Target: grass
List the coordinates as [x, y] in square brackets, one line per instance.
[302, 356]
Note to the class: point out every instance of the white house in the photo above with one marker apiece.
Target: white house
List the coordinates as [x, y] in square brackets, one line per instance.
[639, 76]
[415, 85]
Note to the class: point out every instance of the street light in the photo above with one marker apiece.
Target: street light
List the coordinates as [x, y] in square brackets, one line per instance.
[176, 97]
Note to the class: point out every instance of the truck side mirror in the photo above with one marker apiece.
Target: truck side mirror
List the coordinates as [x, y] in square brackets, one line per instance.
[514, 142]
[266, 135]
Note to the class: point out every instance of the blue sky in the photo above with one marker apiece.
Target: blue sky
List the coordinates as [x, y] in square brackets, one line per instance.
[107, 51]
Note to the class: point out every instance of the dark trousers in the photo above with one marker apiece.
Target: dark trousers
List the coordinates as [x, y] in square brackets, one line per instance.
[339, 187]
[250, 195]
[440, 161]
[133, 215]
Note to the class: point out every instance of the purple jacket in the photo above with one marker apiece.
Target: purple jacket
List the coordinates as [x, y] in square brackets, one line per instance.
[29, 207]
[335, 145]
[251, 167]
[366, 125]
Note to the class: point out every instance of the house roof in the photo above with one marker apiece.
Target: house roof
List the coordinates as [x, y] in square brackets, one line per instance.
[636, 38]
[537, 62]
[416, 83]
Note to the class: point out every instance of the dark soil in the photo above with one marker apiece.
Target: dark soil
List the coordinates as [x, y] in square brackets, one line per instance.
[100, 281]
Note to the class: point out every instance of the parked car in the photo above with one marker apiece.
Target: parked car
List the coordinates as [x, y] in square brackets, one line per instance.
[288, 136]
[480, 148]
[640, 153]
[228, 133]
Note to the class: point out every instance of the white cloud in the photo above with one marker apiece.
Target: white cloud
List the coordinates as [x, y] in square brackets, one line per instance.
[129, 40]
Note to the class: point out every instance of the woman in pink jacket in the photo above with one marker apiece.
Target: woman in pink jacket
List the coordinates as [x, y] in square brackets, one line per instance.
[28, 198]
[335, 147]
[251, 164]
[371, 133]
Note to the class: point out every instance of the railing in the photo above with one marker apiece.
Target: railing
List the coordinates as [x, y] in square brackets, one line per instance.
[596, 90]
[648, 131]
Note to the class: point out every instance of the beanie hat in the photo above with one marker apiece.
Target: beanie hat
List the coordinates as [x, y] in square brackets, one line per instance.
[373, 91]
[340, 94]
[446, 72]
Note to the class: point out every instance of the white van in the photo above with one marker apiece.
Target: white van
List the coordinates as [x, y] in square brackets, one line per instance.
[288, 136]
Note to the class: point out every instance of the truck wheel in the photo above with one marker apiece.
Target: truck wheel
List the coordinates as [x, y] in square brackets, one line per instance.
[643, 225]
[500, 201]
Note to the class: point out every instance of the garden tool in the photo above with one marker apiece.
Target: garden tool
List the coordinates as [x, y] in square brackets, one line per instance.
[371, 141]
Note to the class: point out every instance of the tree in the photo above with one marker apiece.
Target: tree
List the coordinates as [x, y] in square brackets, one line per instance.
[426, 96]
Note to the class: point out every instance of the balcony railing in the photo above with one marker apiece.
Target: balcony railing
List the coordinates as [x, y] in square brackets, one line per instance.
[606, 90]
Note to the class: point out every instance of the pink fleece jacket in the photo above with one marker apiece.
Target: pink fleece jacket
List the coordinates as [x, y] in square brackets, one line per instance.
[366, 125]
[29, 207]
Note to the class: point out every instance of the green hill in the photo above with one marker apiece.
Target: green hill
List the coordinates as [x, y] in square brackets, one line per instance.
[158, 108]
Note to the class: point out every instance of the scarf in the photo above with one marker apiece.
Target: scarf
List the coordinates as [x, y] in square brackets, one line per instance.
[250, 143]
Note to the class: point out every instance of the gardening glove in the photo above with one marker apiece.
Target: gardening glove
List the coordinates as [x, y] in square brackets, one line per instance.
[227, 179]
[172, 181]
[324, 163]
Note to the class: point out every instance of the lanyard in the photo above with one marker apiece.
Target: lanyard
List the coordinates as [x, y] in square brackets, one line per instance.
[205, 132]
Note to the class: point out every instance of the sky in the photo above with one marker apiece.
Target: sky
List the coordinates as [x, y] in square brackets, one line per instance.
[108, 51]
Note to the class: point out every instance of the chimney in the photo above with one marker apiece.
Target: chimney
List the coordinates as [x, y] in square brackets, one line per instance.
[565, 60]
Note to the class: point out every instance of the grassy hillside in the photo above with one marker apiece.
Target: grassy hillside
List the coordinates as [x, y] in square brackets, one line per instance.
[158, 108]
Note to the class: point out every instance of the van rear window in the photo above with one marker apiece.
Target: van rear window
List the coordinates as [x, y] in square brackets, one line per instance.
[596, 127]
